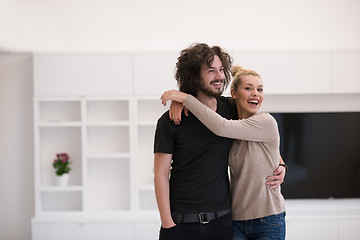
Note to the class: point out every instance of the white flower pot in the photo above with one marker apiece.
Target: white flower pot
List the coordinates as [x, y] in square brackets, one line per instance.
[62, 180]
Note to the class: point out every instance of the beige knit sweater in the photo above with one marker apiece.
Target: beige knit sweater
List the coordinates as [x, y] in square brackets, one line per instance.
[253, 157]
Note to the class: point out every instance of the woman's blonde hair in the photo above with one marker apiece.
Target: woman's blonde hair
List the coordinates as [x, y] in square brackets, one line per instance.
[238, 72]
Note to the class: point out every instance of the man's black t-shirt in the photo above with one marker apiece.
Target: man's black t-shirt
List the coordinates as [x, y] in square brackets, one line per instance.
[199, 178]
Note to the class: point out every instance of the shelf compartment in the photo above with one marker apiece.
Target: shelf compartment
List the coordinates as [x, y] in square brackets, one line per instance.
[108, 184]
[145, 155]
[55, 140]
[60, 124]
[147, 200]
[107, 111]
[110, 123]
[59, 111]
[108, 139]
[61, 189]
[149, 111]
[109, 155]
[61, 201]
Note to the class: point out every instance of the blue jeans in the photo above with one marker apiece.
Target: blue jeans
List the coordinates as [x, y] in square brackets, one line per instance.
[269, 227]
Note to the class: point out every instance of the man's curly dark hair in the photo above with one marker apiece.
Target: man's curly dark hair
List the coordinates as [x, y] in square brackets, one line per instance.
[189, 65]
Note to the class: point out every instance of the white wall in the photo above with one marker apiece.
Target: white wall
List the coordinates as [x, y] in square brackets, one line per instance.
[117, 25]
[16, 149]
[138, 25]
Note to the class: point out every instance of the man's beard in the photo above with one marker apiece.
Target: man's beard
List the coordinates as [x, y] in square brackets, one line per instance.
[211, 93]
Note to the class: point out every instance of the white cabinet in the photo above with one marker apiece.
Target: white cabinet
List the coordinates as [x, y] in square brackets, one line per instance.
[102, 111]
[111, 230]
[146, 230]
[349, 229]
[82, 74]
[304, 72]
[110, 146]
[88, 231]
[334, 219]
[110, 143]
[148, 111]
[311, 229]
[346, 72]
[314, 227]
[108, 184]
[84, 105]
[96, 135]
[289, 72]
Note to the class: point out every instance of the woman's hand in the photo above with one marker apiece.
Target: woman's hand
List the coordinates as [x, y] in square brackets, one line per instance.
[175, 112]
[176, 106]
[173, 95]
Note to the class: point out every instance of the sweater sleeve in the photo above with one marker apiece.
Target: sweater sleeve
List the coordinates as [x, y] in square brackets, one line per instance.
[261, 127]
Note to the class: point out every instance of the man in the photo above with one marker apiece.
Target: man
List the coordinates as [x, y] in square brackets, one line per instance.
[195, 202]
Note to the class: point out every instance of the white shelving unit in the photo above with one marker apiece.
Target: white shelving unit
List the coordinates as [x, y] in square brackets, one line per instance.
[102, 110]
[58, 128]
[110, 141]
[98, 134]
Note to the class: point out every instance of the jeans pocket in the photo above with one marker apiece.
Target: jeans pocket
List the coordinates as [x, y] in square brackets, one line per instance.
[272, 220]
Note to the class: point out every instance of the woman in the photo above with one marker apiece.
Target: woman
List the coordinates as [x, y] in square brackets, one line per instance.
[257, 211]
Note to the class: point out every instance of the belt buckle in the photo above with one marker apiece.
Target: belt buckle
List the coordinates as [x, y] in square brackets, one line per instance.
[203, 218]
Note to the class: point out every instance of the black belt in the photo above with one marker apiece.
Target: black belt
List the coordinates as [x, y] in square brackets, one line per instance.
[200, 217]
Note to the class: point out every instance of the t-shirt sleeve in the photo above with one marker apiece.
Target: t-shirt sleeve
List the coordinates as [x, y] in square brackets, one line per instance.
[259, 128]
[164, 141]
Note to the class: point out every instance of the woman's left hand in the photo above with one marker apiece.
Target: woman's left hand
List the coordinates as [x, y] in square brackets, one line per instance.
[173, 95]
[175, 111]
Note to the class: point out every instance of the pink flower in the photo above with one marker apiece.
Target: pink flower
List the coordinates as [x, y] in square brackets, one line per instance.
[63, 157]
[61, 164]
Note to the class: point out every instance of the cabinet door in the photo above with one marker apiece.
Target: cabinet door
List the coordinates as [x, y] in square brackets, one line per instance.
[349, 229]
[69, 75]
[297, 229]
[346, 72]
[290, 72]
[147, 230]
[88, 231]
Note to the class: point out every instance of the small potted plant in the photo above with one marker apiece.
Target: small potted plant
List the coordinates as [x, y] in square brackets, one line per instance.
[62, 169]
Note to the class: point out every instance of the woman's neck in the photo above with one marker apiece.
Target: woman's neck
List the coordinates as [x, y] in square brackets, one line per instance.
[243, 114]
